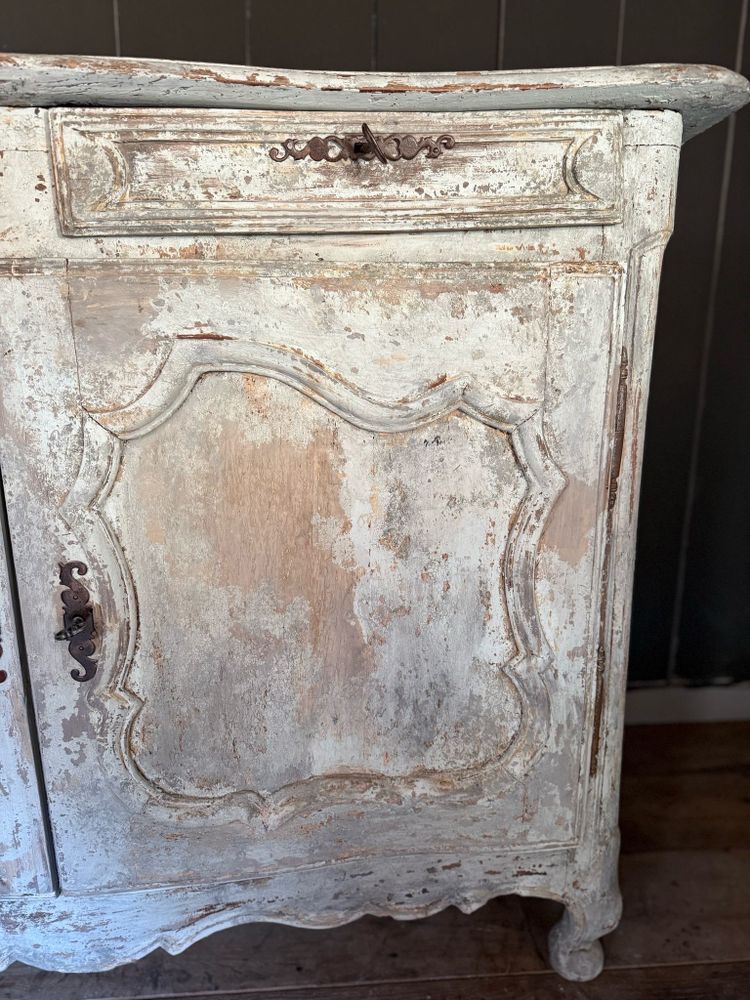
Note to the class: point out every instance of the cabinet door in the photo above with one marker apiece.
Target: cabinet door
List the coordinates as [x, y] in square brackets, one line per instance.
[340, 529]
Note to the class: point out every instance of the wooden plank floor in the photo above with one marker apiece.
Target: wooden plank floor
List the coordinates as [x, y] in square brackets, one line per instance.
[685, 934]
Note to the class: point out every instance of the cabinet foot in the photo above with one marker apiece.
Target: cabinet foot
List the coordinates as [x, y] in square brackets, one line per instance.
[574, 948]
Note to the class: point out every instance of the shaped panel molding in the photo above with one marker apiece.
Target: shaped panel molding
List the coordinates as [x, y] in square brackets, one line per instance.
[352, 639]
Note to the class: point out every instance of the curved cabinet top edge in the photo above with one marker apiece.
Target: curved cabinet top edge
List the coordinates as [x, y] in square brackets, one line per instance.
[703, 95]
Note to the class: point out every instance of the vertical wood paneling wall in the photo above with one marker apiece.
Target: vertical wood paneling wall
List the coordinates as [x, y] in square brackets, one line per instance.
[691, 620]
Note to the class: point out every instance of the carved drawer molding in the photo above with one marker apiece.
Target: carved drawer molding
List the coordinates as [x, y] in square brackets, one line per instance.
[158, 172]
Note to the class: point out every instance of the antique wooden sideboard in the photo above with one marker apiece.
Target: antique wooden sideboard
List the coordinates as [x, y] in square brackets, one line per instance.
[322, 401]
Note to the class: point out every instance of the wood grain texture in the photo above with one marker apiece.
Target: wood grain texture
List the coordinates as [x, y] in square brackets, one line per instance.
[693, 983]
[703, 95]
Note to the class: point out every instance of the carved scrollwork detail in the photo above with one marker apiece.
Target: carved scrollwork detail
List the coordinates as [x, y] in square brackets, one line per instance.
[78, 620]
[365, 146]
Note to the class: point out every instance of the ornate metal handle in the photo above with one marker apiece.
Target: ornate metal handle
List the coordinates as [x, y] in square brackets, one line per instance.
[3, 673]
[78, 629]
[364, 146]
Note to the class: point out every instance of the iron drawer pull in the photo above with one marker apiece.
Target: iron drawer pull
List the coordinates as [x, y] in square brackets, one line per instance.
[77, 625]
[364, 146]
[373, 143]
[78, 629]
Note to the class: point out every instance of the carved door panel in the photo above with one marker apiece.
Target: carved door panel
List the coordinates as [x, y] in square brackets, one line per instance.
[340, 528]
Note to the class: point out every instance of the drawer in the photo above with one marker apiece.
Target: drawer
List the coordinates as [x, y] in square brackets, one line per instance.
[169, 171]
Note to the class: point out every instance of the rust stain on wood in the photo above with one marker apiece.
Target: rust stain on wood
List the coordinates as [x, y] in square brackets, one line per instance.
[614, 474]
[400, 87]
[204, 335]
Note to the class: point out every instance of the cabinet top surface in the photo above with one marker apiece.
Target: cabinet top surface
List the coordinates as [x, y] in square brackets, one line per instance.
[703, 95]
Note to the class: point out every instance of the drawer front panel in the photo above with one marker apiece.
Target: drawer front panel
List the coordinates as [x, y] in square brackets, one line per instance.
[167, 172]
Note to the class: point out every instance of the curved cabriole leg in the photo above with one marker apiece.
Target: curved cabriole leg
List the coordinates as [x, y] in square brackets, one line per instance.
[574, 948]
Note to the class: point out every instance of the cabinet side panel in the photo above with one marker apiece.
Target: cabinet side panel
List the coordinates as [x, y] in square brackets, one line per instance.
[651, 161]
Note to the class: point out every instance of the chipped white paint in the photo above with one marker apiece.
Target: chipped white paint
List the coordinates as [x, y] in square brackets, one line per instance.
[702, 95]
[358, 509]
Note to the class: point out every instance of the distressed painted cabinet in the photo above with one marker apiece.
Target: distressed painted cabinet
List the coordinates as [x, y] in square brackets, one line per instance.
[320, 445]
